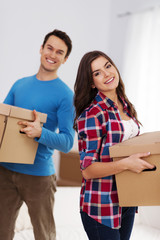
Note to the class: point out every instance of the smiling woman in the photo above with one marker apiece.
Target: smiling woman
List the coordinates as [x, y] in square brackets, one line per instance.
[105, 76]
[101, 106]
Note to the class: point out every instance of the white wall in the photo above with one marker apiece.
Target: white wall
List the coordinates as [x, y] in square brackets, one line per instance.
[120, 12]
[91, 24]
[24, 24]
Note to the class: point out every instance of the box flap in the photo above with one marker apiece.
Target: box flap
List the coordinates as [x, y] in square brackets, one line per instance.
[17, 112]
[26, 114]
[5, 109]
[146, 142]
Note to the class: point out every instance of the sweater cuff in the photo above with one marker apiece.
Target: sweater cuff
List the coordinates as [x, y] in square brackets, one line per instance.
[40, 140]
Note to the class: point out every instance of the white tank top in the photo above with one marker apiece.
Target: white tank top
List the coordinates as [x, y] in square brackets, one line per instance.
[130, 129]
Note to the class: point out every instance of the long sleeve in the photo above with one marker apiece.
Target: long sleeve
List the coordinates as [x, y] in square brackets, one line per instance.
[54, 98]
[63, 140]
[90, 137]
[10, 96]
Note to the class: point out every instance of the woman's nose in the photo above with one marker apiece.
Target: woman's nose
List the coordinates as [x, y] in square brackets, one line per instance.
[105, 72]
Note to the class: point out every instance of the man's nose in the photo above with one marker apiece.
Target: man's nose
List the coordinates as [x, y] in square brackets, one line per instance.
[53, 54]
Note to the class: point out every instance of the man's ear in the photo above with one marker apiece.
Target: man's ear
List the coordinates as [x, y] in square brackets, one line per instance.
[93, 86]
[65, 59]
[41, 48]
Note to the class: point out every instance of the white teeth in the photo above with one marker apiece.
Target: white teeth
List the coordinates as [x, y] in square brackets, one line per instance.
[50, 61]
[109, 80]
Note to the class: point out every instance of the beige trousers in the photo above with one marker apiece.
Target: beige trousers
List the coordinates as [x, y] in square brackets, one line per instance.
[38, 194]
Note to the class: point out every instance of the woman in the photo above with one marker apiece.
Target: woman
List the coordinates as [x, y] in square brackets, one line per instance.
[104, 116]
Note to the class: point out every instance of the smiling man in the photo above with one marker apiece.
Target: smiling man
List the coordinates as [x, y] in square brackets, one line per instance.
[36, 184]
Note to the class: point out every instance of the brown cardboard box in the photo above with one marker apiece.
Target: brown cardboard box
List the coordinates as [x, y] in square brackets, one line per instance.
[69, 170]
[141, 189]
[16, 147]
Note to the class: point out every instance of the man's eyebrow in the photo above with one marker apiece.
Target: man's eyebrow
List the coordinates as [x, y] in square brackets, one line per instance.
[99, 69]
[60, 50]
[49, 45]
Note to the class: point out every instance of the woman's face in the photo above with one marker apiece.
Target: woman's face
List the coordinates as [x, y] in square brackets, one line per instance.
[105, 76]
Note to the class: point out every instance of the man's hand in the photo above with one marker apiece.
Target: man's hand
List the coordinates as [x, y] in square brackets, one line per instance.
[32, 129]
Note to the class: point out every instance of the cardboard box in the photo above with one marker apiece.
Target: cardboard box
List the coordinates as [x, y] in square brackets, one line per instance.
[69, 169]
[141, 189]
[16, 147]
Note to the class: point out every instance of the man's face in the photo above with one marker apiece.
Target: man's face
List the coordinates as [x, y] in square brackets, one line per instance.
[53, 54]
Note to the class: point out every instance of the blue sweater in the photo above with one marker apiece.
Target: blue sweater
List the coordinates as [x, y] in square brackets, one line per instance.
[55, 99]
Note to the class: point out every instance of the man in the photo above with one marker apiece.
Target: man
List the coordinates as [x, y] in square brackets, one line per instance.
[35, 184]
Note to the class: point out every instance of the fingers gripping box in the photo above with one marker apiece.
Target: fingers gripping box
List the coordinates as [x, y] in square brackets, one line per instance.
[139, 189]
[15, 146]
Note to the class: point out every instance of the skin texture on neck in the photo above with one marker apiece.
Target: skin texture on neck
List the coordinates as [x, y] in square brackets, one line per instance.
[113, 96]
[43, 75]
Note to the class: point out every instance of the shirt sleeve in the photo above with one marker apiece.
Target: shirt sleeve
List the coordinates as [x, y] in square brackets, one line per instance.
[10, 96]
[89, 139]
[63, 140]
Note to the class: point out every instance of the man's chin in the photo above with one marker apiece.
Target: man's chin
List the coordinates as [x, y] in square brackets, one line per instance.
[47, 69]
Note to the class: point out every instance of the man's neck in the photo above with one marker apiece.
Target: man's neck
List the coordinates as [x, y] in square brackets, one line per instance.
[44, 75]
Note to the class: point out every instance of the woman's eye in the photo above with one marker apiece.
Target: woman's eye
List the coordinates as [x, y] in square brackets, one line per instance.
[108, 65]
[96, 74]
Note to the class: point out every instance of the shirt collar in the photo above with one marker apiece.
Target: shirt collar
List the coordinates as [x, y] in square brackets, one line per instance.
[105, 101]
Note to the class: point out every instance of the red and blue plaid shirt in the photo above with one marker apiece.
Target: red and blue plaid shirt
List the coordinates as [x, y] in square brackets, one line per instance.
[99, 127]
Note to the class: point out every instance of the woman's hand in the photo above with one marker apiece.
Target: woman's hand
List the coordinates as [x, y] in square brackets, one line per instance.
[133, 163]
[136, 164]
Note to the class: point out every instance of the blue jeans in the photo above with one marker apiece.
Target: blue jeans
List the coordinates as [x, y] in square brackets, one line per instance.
[97, 231]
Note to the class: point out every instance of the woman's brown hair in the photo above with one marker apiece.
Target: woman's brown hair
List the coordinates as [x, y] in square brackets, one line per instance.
[85, 93]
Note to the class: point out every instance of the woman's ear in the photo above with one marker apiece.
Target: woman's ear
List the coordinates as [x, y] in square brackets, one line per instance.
[93, 86]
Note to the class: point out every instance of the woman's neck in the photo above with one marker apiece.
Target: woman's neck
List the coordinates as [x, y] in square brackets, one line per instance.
[113, 96]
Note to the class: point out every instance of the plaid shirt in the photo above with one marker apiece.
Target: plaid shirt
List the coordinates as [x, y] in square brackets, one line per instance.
[99, 127]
